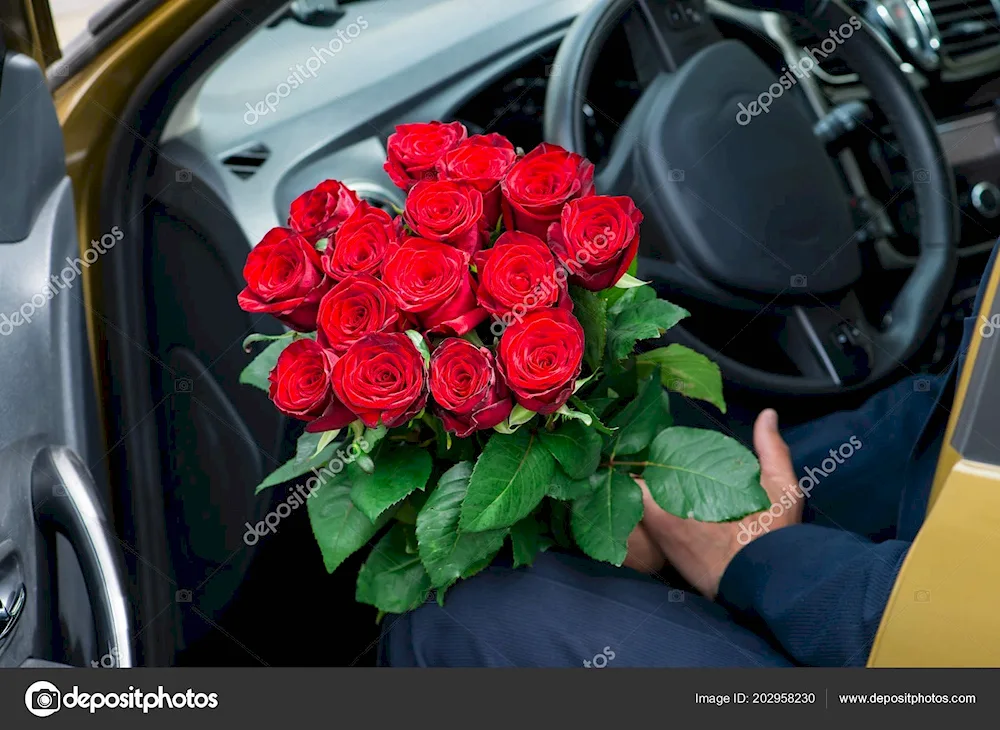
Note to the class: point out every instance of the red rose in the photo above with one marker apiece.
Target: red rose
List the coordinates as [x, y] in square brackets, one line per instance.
[432, 282]
[538, 185]
[596, 239]
[468, 389]
[285, 279]
[448, 212]
[362, 243]
[414, 149]
[520, 274]
[541, 357]
[356, 307]
[300, 381]
[481, 161]
[381, 378]
[319, 212]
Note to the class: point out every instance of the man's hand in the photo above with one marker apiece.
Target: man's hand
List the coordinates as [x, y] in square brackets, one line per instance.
[701, 551]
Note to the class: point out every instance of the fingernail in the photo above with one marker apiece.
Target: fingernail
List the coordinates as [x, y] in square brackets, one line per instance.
[770, 419]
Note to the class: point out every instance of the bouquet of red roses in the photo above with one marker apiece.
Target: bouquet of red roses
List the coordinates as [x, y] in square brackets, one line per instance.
[468, 368]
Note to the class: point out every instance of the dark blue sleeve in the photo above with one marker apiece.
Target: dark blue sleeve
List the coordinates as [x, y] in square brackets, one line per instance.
[819, 591]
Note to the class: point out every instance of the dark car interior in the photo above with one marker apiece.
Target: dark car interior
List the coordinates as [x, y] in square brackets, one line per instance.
[826, 247]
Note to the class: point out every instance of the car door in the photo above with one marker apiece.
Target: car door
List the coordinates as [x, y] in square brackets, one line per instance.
[60, 561]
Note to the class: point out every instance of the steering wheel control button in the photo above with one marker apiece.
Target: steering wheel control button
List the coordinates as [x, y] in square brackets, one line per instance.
[691, 13]
[676, 17]
[850, 352]
[985, 198]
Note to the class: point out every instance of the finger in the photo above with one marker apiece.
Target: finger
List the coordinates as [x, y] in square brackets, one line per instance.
[643, 554]
[777, 474]
[655, 519]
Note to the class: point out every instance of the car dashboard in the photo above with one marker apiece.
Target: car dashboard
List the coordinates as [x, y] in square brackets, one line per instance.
[258, 141]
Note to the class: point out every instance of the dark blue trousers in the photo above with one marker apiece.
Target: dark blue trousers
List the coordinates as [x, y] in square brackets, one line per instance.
[810, 594]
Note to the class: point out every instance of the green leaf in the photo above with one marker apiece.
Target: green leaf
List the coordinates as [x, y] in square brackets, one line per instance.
[306, 458]
[420, 342]
[256, 337]
[393, 579]
[559, 519]
[527, 539]
[576, 447]
[604, 518]
[326, 438]
[633, 268]
[473, 337]
[639, 315]
[340, 529]
[704, 475]
[592, 312]
[584, 407]
[629, 282]
[687, 372]
[519, 416]
[371, 438]
[260, 367]
[508, 482]
[399, 471]
[566, 489]
[446, 551]
[641, 420]
[569, 414]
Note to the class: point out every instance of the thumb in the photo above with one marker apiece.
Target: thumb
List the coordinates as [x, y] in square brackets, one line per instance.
[776, 471]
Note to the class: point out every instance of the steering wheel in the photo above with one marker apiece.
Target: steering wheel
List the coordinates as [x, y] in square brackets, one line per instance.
[744, 207]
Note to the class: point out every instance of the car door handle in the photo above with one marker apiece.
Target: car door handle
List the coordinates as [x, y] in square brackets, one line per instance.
[11, 606]
[66, 497]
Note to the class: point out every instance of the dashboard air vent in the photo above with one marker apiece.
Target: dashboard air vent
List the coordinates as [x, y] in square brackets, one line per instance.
[245, 162]
[966, 27]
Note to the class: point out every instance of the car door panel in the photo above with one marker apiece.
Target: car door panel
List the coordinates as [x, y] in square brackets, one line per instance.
[51, 509]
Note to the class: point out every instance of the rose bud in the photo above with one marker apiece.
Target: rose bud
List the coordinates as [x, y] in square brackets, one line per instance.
[520, 274]
[381, 379]
[354, 308]
[481, 162]
[413, 150]
[432, 283]
[448, 212]
[319, 212]
[469, 391]
[596, 239]
[300, 381]
[285, 279]
[541, 357]
[361, 244]
[540, 184]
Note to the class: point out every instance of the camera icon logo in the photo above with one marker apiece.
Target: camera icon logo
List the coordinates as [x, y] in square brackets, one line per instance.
[675, 596]
[921, 176]
[43, 699]
[799, 281]
[182, 176]
[183, 385]
[183, 596]
[675, 175]
[923, 385]
[922, 596]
